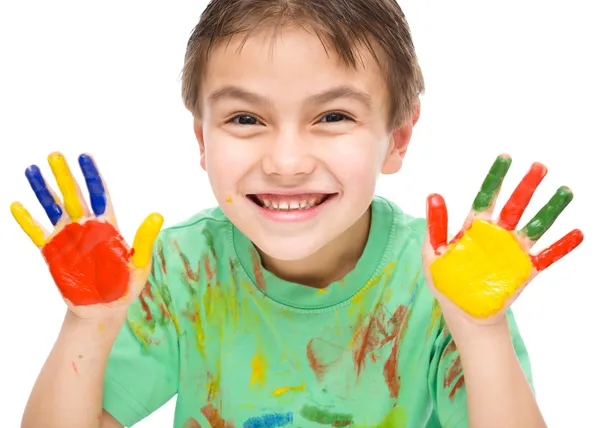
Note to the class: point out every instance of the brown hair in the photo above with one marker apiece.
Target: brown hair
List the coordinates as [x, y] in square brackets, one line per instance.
[346, 24]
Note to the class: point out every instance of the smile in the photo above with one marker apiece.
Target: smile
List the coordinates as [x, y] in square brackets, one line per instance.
[303, 201]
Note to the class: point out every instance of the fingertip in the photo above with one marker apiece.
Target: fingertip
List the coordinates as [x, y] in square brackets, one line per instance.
[143, 243]
[26, 222]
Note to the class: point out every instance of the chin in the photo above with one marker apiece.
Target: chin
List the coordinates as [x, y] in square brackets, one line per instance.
[289, 249]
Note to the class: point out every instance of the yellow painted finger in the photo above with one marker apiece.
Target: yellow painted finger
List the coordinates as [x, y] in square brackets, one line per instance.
[66, 184]
[144, 239]
[28, 224]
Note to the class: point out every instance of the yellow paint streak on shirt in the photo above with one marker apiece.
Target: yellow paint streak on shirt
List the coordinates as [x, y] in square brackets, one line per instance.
[283, 390]
[483, 270]
[322, 290]
[259, 370]
[397, 418]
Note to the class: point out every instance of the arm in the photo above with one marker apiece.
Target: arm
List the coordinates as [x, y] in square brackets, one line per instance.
[498, 392]
[68, 391]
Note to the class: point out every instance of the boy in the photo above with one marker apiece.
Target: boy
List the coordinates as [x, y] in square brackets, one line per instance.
[302, 300]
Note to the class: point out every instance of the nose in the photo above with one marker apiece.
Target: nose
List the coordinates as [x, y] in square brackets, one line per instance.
[288, 155]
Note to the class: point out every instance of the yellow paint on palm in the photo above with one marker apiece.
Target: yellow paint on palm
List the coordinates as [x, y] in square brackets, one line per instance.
[259, 364]
[482, 270]
[28, 224]
[66, 184]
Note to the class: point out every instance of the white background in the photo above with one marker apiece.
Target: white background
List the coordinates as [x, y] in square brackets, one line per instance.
[520, 77]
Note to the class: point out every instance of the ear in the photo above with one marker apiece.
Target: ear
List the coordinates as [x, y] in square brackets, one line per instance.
[200, 138]
[399, 143]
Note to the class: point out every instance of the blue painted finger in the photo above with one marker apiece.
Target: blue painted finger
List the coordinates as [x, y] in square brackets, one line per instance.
[94, 184]
[39, 187]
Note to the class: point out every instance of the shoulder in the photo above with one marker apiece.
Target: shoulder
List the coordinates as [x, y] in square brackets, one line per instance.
[406, 232]
[207, 230]
[187, 253]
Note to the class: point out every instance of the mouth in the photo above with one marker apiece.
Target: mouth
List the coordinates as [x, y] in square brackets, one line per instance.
[287, 203]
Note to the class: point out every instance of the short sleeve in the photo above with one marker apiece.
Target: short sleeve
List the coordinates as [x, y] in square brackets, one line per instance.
[446, 380]
[142, 373]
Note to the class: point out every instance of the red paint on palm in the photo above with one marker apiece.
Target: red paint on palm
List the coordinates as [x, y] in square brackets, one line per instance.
[437, 221]
[558, 250]
[517, 203]
[89, 262]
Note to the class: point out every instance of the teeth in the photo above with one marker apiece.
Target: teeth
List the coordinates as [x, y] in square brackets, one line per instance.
[289, 205]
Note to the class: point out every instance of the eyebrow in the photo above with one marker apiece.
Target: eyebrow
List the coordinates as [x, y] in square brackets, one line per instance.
[343, 91]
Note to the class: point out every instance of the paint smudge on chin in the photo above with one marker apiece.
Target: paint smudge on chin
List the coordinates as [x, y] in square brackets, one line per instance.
[453, 376]
[214, 418]
[74, 367]
[325, 417]
[257, 267]
[271, 420]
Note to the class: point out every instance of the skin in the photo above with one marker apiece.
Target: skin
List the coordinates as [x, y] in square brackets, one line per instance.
[294, 142]
[96, 306]
[289, 146]
[498, 393]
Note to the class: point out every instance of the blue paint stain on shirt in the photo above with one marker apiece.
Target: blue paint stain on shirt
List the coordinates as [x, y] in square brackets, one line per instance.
[271, 420]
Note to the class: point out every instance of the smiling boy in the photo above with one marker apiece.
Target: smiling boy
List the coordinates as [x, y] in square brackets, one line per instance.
[301, 300]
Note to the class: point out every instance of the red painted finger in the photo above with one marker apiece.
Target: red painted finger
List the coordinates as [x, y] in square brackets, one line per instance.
[520, 198]
[558, 250]
[437, 221]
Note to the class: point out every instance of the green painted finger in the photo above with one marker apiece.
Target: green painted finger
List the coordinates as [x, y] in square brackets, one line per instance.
[491, 185]
[545, 217]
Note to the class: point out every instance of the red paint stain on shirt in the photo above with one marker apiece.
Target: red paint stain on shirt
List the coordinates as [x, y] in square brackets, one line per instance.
[453, 376]
[214, 419]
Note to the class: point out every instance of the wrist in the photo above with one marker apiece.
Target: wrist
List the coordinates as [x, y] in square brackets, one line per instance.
[468, 335]
[94, 331]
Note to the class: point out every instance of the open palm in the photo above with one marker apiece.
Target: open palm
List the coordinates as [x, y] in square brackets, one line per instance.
[92, 265]
[484, 268]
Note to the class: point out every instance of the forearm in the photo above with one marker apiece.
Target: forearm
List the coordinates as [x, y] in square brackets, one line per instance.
[68, 391]
[498, 393]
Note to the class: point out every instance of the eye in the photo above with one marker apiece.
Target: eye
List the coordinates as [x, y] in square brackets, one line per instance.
[244, 119]
[334, 117]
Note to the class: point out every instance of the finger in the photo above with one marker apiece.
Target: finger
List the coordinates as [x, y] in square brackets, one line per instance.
[144, 240]
[437, 221]
[517, 203]
[558, 250]
[72, 196]
[43, 194]
[545, 217]
[95, 185]
[31, 227]
[485, 199]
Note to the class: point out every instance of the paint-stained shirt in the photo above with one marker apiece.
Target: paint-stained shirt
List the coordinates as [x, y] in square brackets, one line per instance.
[240, 347]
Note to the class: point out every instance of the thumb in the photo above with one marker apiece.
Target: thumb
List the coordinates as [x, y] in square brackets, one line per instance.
[143, 243]
[437, 221]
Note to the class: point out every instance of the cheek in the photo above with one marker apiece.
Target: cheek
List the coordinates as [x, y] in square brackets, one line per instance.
[357, 166]
[227, 159]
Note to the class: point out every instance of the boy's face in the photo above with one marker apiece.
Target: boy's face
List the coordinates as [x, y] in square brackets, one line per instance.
[293, 140]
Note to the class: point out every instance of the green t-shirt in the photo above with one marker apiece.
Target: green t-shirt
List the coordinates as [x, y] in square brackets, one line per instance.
[243, 348]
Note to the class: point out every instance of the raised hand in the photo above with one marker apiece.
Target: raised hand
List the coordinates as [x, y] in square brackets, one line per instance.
[90, 262]
[487, 264]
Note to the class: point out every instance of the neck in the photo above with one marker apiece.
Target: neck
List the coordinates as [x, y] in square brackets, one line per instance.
[331, 263]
